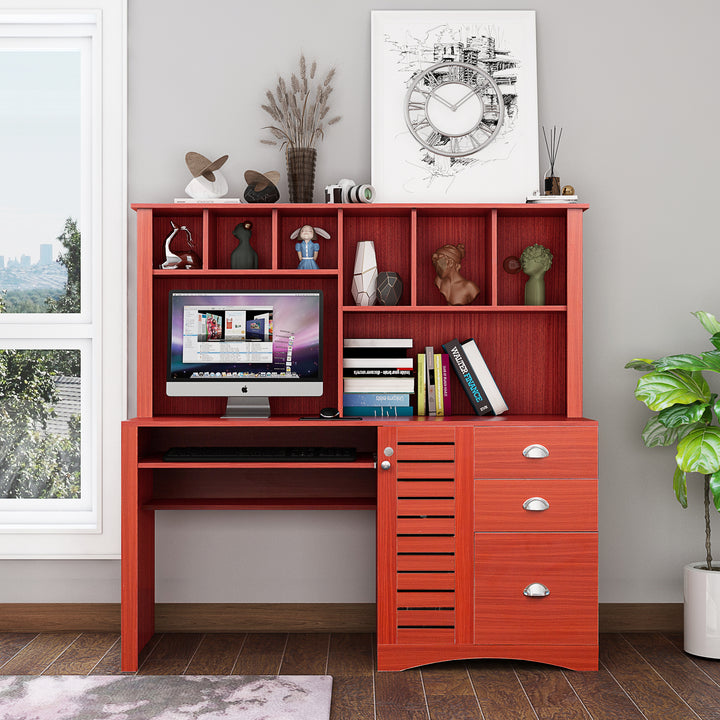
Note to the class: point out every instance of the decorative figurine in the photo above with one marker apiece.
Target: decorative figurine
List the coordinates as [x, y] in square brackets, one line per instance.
[308, 247]
[568, 190]
[207, 182]
[243, 257]
[365, 274]
[187, 259]
[455, 288]
[389, 288]
[262, 188]
[535, 261]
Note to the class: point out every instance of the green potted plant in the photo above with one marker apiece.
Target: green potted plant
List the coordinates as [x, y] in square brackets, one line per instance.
[675, 388]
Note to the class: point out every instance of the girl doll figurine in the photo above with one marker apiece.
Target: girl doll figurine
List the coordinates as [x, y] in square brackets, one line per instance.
[308, 247]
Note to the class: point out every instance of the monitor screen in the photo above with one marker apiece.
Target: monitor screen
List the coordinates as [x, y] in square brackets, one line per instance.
[245, 344]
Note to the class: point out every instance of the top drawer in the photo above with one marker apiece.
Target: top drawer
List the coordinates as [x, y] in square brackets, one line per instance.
[550, 451]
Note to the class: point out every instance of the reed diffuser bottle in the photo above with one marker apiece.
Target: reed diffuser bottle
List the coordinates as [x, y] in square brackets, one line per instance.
[552, 180]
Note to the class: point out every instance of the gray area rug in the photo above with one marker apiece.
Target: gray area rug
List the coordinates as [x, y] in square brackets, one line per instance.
[165, 697]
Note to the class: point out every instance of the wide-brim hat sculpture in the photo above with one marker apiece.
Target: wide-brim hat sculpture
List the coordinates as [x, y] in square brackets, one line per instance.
[199, 165]
[262, 187]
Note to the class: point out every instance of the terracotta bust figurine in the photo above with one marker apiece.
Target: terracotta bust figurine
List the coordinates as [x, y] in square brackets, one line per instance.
[535, 261]
[456, 289]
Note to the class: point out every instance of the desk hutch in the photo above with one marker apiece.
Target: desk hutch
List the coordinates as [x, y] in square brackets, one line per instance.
[482, 551]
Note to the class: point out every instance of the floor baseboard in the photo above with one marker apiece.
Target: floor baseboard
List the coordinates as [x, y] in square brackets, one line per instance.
[281, 617]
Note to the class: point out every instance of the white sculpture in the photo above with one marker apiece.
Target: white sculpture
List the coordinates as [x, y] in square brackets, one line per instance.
[364, 282]
[207, 183]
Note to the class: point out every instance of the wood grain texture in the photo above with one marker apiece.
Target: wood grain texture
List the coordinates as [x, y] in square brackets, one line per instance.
[261, 654]
[499, 452]
[47, 617]
[601, 695]
[352, 698]
[572, 505]
[82, 656]
[306, 653]
[37, 655]
[386, 533]
[400, 696]
[216, 654]
[11, 643]
[506, 563]
[499, 692]
[679, 671]
[550, 694]
[351, 655]
[171, 655]
[427, 452]
[574, 314]
[652, 695]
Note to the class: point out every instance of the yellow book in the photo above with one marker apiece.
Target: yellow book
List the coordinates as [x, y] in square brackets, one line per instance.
[439, 403]
[421, 384]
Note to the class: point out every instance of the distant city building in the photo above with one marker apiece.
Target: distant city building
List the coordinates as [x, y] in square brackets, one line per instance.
[24, 261]
[46, 255]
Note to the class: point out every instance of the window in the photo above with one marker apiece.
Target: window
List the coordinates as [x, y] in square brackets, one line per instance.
[62, 297]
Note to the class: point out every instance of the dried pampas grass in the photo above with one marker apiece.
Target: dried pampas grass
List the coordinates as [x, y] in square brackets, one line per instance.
[299, 108]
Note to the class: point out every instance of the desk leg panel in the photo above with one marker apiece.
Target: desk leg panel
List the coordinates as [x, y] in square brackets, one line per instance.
[138, 554]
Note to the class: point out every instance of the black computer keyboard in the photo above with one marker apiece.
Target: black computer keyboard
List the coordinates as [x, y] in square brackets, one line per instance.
[260, 454]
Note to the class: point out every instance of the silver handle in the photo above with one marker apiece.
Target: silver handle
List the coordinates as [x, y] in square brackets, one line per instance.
[536, 452]
[388, 451]
[536, 504]
[536, 590]
[385, 464]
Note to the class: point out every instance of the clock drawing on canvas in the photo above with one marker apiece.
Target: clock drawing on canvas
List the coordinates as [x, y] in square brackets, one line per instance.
[454, 109]
[454, 106]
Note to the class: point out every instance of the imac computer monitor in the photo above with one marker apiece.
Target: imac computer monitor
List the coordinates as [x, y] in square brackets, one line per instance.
[246, 345]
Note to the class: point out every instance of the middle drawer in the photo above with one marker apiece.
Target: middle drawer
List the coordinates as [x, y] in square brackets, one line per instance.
[526, 505]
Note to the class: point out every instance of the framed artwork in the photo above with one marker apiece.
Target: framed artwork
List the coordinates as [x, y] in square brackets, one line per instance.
[454, 106]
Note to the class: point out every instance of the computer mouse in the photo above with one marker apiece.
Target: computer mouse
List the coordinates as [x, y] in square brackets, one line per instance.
[329, 413]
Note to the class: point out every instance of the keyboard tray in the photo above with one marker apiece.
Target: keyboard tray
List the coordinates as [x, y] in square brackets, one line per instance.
[260, 454]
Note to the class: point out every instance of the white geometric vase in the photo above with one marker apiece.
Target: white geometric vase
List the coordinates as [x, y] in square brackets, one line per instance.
[364, 282]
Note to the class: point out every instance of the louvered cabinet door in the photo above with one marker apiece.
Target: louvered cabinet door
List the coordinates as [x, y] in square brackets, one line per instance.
[424, 501]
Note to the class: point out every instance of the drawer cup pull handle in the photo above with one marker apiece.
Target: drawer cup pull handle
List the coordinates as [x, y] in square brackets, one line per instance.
[536, 452]
[536, 590]
[536, 504]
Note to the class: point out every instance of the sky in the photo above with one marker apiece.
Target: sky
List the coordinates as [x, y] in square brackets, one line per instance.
[39, 148]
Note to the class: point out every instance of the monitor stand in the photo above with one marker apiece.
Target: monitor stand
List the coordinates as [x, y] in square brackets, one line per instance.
[247, 407]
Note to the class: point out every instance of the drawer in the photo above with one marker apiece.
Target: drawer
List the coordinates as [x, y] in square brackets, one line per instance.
[508, 563]
[536, 505]
[571, 451]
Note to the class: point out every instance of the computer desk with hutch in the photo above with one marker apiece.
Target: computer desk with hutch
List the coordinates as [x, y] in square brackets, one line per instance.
[486, 526]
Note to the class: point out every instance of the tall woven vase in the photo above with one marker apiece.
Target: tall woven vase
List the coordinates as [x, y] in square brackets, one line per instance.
[301, 173]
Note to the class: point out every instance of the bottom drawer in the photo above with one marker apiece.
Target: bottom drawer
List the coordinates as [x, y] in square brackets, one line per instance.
[512, 571]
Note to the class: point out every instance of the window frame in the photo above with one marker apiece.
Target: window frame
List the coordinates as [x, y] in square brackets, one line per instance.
[91, 527]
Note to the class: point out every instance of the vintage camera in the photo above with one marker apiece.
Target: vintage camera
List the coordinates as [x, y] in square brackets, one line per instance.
[346, 191]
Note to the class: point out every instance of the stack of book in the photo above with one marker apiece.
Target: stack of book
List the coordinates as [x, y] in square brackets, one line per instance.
[475, 377]
[433, 396]
[378, 377]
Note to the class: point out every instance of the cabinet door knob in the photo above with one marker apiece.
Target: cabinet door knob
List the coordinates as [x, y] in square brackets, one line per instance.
[536, 452]
[536, 590]
[536, 504]
[385, 464]
[388, 451]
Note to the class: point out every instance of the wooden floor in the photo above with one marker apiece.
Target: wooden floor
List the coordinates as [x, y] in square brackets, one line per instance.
[641, 675]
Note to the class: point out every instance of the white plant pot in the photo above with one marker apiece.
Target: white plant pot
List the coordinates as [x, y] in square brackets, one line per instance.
[702, 610]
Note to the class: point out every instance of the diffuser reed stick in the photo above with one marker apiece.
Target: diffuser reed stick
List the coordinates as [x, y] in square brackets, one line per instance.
[552, 182]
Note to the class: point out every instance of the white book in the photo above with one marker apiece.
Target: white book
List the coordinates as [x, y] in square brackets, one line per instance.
[216, 201]
[377, 342]
[379, 384]
[430, 380]
[401, 363]
[480, 368]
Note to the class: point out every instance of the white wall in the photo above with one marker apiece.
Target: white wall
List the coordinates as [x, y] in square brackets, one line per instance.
[634, 85]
